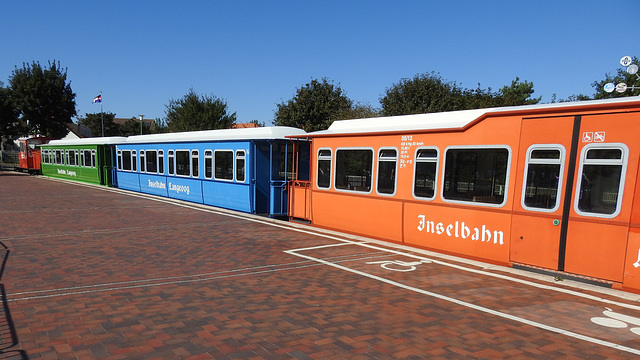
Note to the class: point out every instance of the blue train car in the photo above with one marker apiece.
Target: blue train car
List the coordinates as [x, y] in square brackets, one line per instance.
[239, 169]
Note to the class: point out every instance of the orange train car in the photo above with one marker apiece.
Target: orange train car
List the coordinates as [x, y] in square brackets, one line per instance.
[30, 156]
[552, 186]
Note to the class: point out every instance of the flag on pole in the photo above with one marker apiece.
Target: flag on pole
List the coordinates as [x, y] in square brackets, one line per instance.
[97, 99]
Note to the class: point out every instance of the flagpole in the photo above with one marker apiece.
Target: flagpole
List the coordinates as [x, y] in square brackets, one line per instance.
[101, 114]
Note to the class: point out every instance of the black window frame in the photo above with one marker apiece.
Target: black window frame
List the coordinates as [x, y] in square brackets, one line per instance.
[544, 163]
[425, 160]
[324, 172]
[588, 159]
[359, 177]
[241, 166]
[226, 174]
[471, 166]
[183, 162]
[387, 161]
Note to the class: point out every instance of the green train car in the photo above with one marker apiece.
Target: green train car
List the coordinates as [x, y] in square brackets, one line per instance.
[89, 160]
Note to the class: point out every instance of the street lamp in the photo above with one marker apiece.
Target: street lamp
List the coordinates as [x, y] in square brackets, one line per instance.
[141, 117]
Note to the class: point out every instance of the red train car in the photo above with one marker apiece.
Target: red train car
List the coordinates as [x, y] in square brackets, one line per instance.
[551, 186]
[30, 156]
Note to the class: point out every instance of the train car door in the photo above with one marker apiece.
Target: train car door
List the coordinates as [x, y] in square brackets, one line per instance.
[632, 262]
[573, 214]
[540, 189]
[598, 228]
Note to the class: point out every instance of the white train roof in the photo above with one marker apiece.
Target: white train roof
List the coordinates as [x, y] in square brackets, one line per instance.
[264, 133]
[89, 141]
[454, 119]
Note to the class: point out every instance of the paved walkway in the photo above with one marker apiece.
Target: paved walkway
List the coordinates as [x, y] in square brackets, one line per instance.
[97, 273]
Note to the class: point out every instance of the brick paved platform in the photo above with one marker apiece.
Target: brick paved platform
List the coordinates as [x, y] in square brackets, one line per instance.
[97, 273]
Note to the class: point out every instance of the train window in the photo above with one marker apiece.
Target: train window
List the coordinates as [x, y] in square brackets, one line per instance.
[93, 158]
[387, 167]
[353, 169]
[87, 158]
[143, 161]
[119, 159]
[477, 175]
[543, 178]
[195, 159]
[126, 160]
[602, 173]
[208, 164]
[282, 163]
[240, 165]
[425, 173]
[72, 157]
[34, 143]
[152, 161]
[223, 161]
[134, 161]
[160, 162]
[183, 163]
[324, 168]
[171, 162]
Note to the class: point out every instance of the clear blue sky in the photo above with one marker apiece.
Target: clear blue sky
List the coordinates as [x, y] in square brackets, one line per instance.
[255, 54]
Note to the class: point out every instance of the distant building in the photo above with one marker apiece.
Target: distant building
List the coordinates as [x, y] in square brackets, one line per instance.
[244, 125]
[77, 131]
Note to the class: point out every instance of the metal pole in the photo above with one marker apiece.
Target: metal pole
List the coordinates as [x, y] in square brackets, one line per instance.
[101, 114]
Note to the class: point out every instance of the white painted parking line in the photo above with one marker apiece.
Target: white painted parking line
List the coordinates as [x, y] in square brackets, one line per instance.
[475, 271]
[572, 334]
[185, 279]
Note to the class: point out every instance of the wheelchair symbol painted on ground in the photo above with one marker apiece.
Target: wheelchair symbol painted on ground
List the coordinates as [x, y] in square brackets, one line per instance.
[397, 265]
[618, 321]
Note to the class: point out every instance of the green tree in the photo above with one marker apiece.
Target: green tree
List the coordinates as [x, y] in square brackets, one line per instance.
[160, 126]
[314, 107]
[95, 122]
[621, 77]
[518, 93]
[43, 98]
[428, 93]
[194, 112]
[8, 115]
[359, 111]
[580, 97]
[478, 98]
[424, 93]
[134, 126]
